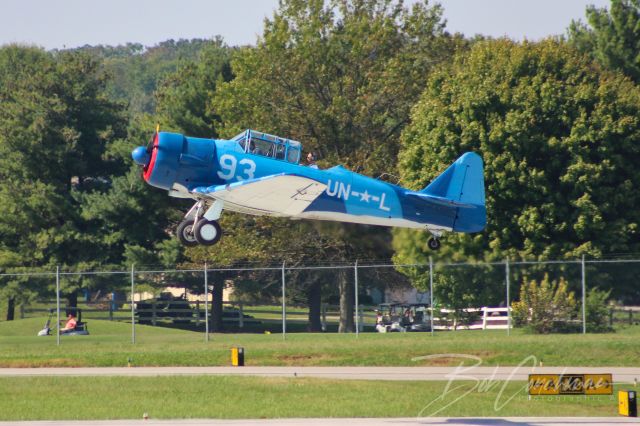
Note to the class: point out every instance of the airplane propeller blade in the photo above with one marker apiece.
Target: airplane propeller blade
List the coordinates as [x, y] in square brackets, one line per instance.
[150, 144]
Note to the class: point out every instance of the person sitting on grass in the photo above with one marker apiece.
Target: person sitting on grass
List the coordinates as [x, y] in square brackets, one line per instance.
[70, 325]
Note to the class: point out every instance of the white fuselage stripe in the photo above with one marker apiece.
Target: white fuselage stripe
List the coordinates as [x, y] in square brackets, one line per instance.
[369, 220]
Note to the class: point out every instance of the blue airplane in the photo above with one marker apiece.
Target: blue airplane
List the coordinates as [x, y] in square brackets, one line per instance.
[260, 174]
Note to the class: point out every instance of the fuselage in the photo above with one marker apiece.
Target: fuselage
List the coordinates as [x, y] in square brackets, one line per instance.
[181, 164]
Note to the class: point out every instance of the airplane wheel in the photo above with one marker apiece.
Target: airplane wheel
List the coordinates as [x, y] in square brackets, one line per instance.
[433, 243]
[185, 233]
[207, 232]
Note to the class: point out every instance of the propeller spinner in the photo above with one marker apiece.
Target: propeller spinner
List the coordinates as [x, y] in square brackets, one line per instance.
[141, 155]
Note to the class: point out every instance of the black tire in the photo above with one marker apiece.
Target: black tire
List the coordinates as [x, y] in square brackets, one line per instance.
[185, 233]
[433, 243]
[207, 232]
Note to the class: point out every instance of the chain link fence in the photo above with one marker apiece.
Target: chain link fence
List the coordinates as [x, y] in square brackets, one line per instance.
[355, 297]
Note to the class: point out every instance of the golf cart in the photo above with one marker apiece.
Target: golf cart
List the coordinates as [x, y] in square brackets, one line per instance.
[400, 317]
[81, 328]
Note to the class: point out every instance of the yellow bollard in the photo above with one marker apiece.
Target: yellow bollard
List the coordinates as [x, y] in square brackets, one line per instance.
[237, 357]
[627, 405]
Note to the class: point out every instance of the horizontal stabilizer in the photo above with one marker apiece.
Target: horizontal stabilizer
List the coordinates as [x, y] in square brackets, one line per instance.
[281, 194]
[440, 200]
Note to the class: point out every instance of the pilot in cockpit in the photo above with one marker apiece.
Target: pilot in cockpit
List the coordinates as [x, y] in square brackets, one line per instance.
[311, 160]
[254, 149]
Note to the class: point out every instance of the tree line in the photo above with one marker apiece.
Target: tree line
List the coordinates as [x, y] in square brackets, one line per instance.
[374, 85]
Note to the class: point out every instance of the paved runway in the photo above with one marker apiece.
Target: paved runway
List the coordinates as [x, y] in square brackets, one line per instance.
[408, 421]
[620, 375]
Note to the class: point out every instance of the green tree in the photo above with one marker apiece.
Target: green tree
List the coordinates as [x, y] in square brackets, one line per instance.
[612, 37]
[55, 123]
[136, 71]
[184, 97]
[341, 76]
[556, 135]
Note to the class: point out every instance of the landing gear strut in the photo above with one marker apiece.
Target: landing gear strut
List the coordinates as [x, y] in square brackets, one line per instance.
[198, 228]
[433, 243]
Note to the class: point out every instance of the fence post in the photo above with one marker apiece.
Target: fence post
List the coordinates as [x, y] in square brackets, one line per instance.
[111, 310]
[284, 306]
[610, 317]
[584, 299]
[240, 316]
[133, 313]
[355, 269]
[58, 305]
[484, 317]
[431, 292]
[206, 304]
[323, 317]
[361, 325]
[197, 312]
[22, 311]
[507, 281]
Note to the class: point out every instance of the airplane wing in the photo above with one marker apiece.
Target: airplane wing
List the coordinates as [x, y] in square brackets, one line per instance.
[280, 194]
[439, 200]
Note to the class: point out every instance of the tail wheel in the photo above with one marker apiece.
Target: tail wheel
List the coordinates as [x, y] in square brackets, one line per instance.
[185, 233]
[207, 232]
[433, 243]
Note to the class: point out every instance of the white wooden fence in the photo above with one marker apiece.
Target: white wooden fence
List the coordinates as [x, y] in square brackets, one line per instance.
[489, 319]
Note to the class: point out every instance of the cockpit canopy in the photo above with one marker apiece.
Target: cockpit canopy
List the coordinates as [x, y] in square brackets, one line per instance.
[266, 145]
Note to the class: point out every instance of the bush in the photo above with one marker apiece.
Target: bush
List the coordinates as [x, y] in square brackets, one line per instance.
[545, 307]
[597, 311]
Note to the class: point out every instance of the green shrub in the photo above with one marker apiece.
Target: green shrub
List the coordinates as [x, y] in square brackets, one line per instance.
[545, 307]
[597, 311]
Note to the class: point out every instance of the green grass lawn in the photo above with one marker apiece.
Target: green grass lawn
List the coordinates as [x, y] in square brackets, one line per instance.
[56, 398]
[110, 345]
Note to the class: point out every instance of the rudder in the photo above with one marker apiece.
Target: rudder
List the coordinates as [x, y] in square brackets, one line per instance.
[463, 182]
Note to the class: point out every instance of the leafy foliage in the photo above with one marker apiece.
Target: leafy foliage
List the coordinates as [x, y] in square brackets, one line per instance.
[55, 124]
[545, 306]
[556, 135]
[612, 37]
[136, 71]
[184, 97]
[597, 311]
[340, 76]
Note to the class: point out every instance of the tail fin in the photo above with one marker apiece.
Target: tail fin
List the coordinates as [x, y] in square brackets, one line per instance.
[463, 182]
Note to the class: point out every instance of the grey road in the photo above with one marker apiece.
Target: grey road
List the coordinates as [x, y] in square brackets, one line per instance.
[629, 375]
[409, 421]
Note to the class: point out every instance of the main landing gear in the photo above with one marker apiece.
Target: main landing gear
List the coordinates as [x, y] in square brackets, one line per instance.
[201, 229]
[434, 241]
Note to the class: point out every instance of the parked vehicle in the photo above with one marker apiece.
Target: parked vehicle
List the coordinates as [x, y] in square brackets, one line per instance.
[400, 317]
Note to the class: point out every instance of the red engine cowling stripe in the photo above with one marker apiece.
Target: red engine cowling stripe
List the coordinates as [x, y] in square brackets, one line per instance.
[154, 152]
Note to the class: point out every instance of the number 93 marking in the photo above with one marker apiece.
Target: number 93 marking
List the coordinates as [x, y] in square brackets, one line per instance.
[228, 168]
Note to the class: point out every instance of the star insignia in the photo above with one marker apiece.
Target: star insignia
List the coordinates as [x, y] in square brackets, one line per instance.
[364, 196]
